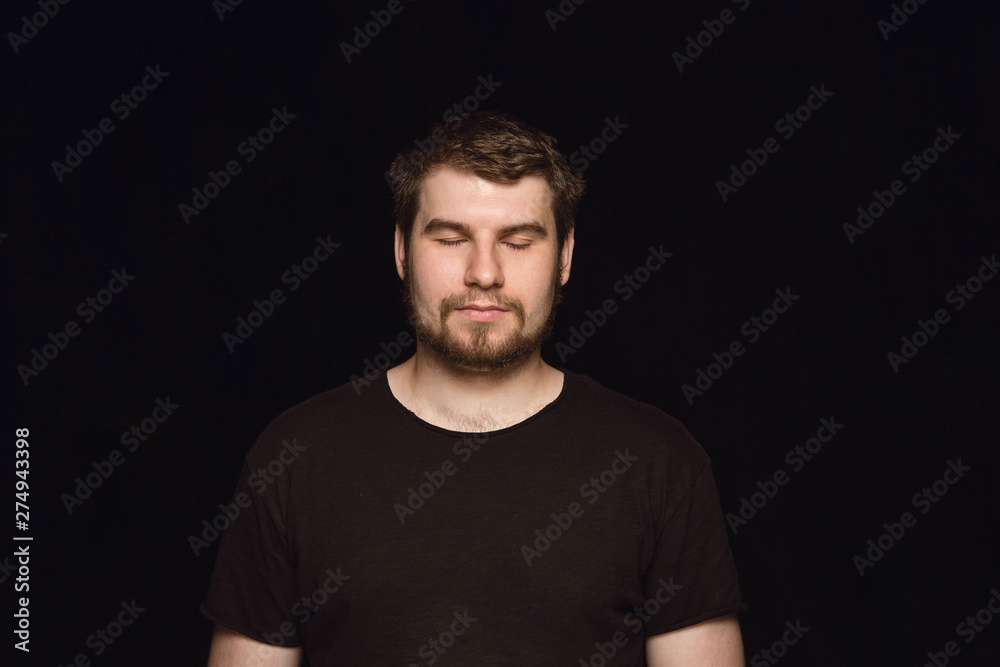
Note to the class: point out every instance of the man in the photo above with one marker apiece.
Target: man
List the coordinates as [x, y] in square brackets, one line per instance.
[474, 505]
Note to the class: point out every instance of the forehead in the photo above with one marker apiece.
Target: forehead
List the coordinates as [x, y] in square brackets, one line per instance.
[450, 194]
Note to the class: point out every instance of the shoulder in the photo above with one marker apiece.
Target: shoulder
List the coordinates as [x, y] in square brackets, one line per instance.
[645, 427]
[301, 427]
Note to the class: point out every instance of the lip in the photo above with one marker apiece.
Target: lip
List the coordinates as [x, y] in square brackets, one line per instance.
[481, 313]
[486, 307]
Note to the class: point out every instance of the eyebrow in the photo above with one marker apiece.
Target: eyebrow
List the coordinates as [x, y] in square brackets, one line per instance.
[439, 225]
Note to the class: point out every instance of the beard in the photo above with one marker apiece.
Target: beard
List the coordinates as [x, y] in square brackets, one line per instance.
[481, 351]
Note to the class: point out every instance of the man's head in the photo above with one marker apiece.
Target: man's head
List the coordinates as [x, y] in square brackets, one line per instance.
[484, 239]
[496, 147]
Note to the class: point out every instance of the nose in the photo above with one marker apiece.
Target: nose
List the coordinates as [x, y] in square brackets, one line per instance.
[484, 266]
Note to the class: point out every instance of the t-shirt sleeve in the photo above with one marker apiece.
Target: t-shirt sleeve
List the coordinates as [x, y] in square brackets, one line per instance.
[253, 586]
[692, 564]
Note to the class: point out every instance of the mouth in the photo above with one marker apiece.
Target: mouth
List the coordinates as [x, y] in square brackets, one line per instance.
[482, 313]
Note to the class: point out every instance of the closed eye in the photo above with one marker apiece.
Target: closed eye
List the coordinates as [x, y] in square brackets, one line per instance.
[455, 242]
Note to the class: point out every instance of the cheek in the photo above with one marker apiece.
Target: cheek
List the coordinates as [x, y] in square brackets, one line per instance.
[543, 287]
[437, 279]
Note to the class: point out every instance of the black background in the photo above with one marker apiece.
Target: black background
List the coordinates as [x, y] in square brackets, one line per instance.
[654, 185]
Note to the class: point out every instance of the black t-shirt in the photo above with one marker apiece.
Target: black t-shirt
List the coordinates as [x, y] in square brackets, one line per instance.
[372, 537]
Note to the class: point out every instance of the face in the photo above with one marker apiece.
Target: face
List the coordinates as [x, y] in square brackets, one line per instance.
[484, 272]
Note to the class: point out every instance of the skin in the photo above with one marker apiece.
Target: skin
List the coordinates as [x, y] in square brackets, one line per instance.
[231, 649]
[713, 643]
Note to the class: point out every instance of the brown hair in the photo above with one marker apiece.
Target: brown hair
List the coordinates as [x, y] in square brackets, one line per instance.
[494, 146]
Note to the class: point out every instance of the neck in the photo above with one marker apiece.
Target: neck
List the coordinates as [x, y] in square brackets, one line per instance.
[472, 401]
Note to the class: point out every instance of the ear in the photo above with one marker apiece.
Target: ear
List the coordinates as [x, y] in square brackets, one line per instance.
[567, 256]
[400, 248]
